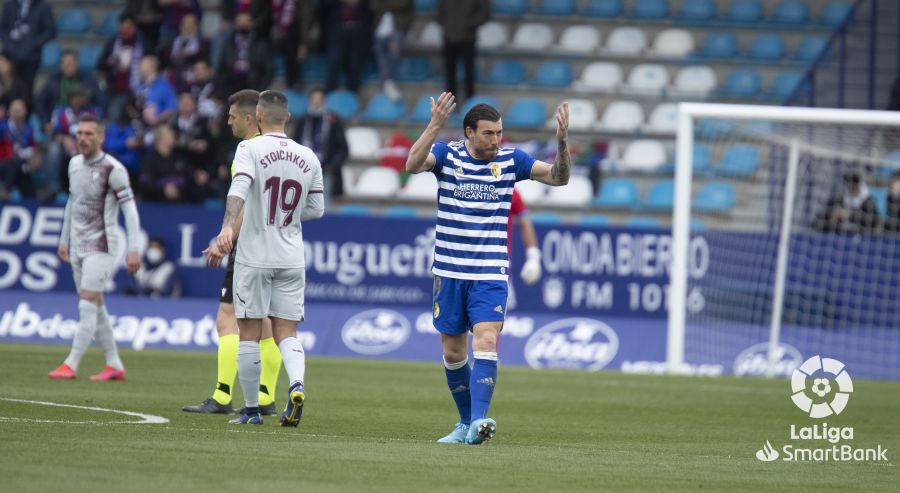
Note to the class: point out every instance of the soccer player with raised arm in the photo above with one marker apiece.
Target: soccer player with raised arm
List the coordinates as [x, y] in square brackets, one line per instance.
[475, 186]
[242, 120]
[278, 184]
[98, 186]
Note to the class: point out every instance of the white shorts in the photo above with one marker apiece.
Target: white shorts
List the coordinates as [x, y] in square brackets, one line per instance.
[92, 271]
[268, 292]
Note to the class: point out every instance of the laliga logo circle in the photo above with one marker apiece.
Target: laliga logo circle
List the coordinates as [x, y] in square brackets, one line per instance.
[815, 380]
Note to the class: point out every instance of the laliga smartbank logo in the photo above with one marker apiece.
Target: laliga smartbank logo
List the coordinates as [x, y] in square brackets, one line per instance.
[821, 387]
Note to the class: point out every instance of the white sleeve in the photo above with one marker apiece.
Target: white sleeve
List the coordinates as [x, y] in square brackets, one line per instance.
[244, 172]
[314, 208]
[118, 182]
[132, 224]
[67, 224]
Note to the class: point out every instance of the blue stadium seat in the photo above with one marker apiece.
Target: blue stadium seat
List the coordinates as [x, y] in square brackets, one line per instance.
[892, 161]
[73, 21]
[660, 197]
[715, 197]
[742, 83]
[785, 84]
[557, 7]
[650, 9]
[298, 101]
[618, 193]
[526, 113]
[383, 109]
[739, 160]
[702, 158]
[697, 224]
[697, 10]
[50, 55]
[354, 210]
[344, 103]
[744, 11]
[421, 112]
[834, 13]
[712, 128]
[720, 45]
[594, 220]
[767, 47]
[880, 195]
[809, 48]
[553, 74]
[89, 55]
[510, 7]
[414, 69]
[793, 12]
[643, 222]
[603, 8]
[426, 5]
[109, 26]
[404, 211]
[545, 218]
[506, 73]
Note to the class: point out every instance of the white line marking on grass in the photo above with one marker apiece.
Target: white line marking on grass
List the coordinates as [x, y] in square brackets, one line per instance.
[145, 418]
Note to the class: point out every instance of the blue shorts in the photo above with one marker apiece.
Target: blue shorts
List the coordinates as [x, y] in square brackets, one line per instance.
[459, 304]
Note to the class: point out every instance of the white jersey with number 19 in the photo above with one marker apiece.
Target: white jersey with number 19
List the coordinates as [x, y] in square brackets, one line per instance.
[285, 177]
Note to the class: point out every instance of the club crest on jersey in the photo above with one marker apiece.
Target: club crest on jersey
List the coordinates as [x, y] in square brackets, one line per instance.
[495, 170]
[460, 171]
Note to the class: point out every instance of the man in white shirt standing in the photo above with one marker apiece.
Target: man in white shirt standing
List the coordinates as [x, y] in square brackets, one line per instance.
[278, 182]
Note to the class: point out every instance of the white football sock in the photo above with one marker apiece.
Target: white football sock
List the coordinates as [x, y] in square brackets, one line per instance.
[294, 359]
[87, 326]
[107, 340]
[248, 371]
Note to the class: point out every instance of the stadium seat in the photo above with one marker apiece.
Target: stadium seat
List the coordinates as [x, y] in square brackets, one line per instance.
[659, 197]
[354, 210]
[880, 196]
[792, 12]
[401, 211]
[579, 39]
[809, 48]
[714, 128]
[621, 116]
[553, 73]
[582, 115]
[377, 182]
[477, 99]
[739, 160]
[696, 224]
[526, 113]
[714, 197]
[834, 13]
[510, 7]
[675, 43]
[650, 9]
[594, 220]
[720, 45]
[50, 55]
[383, 109]
[617, 193]
[315, 68]
[663, 119]
[695, 80]
[697, 10]
[110, 24]
[643, 155]
[73, 21]
[744, 83]
[344, 103]
[557, 7]
[599, 76]
[532, 36]
[421, 187]
[532, 192]
[364, 143]
[785, 84]
[577, 193]
[603, 8]
[431, 35]
[643, 222]
[744, 11]
[426, 5]
[702, 159]
[626, 41]
[647, 78]
[421, 112]
[767, 47]
[492, 35]
[550, 218]
[506, 73]
[89, 55]
[413, 69]
[892, 164]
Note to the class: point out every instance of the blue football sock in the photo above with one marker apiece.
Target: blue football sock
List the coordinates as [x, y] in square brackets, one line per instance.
[484, 376]
[458, 375]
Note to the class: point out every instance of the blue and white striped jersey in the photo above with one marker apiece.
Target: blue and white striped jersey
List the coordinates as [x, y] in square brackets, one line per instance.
[474, 197]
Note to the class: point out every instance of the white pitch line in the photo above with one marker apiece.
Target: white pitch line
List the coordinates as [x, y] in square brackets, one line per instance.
[145, 418]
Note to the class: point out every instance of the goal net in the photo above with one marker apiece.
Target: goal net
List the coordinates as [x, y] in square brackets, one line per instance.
[784, 244]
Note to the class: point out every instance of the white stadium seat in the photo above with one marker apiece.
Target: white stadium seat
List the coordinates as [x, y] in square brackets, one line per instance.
[532, 36]
[422, 187]
[599, 76]
[432, 35]
[532, 192]
[493, 35]
[377, 182]
[582, 115]
[695, 80]
[621, 116]
[577, 193]
[364, 143]
[676, 43]
[663, 119]
[626, 41]
[647, 78]
[643, 155]
[579, 39]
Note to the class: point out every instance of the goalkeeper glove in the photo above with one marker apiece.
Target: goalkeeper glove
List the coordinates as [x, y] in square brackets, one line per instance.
[531, 271]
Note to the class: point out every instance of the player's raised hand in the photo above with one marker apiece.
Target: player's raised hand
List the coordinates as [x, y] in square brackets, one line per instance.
[562, 121]
[133, 262]
[225, 240]
[442, 108]
[213, 256]
[63, 252]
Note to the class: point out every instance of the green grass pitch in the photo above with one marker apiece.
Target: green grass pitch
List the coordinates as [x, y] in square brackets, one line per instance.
[371, 426]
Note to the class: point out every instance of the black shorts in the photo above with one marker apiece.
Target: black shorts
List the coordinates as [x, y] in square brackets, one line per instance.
[228, 282]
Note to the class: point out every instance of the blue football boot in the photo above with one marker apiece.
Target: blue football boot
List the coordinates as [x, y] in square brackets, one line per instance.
[294, 408]
[458, 435]
[480, 431]
[248, 416]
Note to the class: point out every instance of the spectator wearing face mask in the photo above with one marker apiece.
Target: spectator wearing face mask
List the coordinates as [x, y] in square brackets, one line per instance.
[158, 276]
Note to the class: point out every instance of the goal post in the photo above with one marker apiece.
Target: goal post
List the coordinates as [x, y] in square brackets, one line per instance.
[769, 261]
